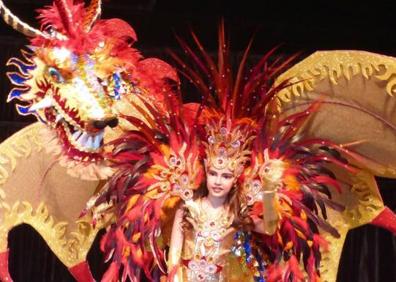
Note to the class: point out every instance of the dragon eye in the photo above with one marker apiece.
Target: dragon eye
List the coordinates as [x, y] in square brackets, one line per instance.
[55, 75]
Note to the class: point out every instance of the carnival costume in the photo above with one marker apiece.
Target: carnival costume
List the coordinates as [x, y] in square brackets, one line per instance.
[275, 129]
[237, 126]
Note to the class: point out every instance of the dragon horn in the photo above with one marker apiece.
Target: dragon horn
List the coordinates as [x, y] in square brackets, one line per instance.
[17, 24]
[66, 15]
[93, 12]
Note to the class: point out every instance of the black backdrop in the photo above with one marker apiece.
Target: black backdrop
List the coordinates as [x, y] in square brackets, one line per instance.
[369, 253]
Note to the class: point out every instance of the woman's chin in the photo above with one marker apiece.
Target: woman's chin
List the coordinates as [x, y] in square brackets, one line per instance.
[218, 193]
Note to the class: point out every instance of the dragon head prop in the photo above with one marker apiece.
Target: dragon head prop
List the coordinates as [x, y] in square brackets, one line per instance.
[77, 69]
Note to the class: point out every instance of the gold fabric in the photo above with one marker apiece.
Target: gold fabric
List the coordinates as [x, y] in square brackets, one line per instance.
[35, 189]
[357, 89]
[357, 112]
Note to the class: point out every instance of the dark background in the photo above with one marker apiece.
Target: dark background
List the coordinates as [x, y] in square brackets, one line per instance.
[300, 26]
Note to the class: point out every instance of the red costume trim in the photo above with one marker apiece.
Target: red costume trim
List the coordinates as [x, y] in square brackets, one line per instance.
[81, 272]
[386, 219]
[4, 273]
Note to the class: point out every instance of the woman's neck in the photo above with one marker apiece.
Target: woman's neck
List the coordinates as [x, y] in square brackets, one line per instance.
[216, 202]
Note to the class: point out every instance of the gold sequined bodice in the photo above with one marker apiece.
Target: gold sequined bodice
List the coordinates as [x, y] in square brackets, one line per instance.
[207, 247]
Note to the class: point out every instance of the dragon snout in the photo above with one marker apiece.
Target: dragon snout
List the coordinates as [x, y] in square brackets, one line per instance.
[101, 124]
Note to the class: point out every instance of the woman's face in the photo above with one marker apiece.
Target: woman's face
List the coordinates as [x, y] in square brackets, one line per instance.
[219, 181]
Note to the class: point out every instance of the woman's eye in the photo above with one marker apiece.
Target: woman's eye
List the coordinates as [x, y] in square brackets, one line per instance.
[55, 75]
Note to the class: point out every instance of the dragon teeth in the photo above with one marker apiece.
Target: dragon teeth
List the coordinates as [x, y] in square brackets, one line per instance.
[76, 135]
[83, 139]
[88, 141]
[97, 139]
[58, 118]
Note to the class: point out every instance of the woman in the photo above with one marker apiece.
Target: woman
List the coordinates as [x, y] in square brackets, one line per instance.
[204, 228]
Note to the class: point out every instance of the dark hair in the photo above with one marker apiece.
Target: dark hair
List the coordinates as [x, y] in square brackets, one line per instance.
[241, 218]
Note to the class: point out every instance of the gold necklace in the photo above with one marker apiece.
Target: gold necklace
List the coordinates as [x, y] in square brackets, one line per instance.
[207, 221]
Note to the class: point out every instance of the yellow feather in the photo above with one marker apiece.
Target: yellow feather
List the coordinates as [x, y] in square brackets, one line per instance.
[289, 245]
[301, 235]
[303, 215]
[132, 201]
[126, 252]
[292, 183]
[136, 237]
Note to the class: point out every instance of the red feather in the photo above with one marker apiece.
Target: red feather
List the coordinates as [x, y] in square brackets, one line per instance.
[111, 273]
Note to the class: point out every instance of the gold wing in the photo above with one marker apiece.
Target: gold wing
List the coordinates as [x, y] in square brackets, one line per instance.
[358, 112]
[36, 190]
[358, 106]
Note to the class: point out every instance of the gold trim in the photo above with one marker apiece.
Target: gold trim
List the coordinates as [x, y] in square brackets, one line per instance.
[331, 259]
[28, 140]
[335, 65]
[362, 210]
[70, 248]
[363, 202]
[369, 203]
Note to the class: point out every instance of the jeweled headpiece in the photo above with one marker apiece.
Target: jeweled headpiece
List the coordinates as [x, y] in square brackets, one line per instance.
[232, 105]
[228, 145]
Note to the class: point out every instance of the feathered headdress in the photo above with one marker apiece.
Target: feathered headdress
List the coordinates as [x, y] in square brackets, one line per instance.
[232, 106]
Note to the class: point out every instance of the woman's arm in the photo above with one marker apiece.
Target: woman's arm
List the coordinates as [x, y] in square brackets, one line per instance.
[268, 224]
[175, 248]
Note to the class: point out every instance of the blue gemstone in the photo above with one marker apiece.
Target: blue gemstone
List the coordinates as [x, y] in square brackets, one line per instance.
[247, 247]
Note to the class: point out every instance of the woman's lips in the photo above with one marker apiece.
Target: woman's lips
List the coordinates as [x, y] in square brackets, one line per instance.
[217, 189]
